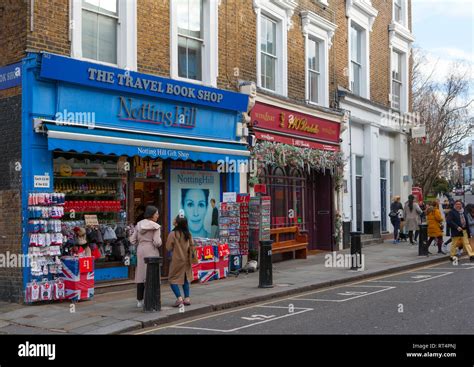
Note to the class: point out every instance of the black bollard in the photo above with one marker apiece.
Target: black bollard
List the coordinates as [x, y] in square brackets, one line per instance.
[356, 251]
[265, 275]
[153, 284]
[422, 240]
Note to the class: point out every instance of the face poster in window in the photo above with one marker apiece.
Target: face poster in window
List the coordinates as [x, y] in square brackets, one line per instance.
[192, 192]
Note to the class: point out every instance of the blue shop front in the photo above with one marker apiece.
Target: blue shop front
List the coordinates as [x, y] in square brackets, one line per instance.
[99, 144]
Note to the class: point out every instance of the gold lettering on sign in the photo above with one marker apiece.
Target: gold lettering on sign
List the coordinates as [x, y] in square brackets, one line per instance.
[265, 116]
[282, 120]
[301, 124]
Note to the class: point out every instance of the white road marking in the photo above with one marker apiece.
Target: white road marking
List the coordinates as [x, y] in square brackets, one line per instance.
[425, 278]
[342, 300]
[245, 326]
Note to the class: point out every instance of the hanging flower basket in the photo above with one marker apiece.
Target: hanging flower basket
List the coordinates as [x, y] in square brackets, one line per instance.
[284, 155]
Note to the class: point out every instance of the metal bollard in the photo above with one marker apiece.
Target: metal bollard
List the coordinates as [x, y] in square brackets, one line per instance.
[265, 275]
[356, 251]
[153, 284]
[422, 240]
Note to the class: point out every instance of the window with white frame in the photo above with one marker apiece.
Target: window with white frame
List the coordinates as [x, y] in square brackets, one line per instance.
[268, 53]
[194, 40]
[356, 59]
[273, 23]
[190, 38]
[314, 70]
[99, 30]
[399, 11]
[104, 31]
[318, 33]
[397, 80]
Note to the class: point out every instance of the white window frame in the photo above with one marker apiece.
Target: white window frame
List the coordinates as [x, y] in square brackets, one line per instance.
[404, 13]
[210, 56]
[400, 57]
[126, 34]
[364, 62]
[404, 66]
[280, 11]
[321, 30]
[362, 14]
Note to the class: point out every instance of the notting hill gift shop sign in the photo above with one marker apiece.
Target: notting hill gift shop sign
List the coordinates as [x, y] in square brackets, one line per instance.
[102, 76]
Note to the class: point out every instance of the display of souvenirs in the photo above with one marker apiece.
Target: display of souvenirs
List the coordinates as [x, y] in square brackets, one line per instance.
[45, 238]
[213, 259]
[100, 206]
[85, 187]
[148, 168]
[259, 220]
[244, 200]
[78, 277]
[45, 290]
[229, 223]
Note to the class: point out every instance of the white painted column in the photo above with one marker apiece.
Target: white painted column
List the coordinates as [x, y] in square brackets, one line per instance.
[371, 175]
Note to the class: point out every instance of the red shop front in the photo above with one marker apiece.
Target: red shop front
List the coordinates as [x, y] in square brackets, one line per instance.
[300, 149]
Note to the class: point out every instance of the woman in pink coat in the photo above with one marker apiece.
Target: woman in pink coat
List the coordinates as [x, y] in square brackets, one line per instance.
[147, 237]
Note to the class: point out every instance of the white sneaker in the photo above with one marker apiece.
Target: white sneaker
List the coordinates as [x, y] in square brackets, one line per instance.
[140, 304]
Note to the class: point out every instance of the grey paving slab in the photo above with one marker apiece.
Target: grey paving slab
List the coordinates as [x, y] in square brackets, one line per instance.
[119, 327]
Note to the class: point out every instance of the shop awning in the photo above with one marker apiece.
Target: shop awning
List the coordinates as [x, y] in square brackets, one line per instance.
[107, 140]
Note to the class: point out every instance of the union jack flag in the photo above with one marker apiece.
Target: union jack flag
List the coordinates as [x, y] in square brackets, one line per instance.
[78, 286]
[207, 271]
[222, 267]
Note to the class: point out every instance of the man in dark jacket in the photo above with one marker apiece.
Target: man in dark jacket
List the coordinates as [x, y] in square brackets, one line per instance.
[457, 221]
[214, 220]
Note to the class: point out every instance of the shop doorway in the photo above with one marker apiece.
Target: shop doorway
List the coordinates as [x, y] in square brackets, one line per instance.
[146, 192]
[321, 232]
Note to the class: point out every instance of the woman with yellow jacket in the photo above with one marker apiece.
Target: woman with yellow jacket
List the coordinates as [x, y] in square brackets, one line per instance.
[435, 225]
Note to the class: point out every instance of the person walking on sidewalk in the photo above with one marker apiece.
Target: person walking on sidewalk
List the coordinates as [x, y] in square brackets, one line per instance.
[423, 207]
[460, 231]
[412, 218]
[435, 225]
[395, 210]
[180, 242]
[470, 223]
[147, 238]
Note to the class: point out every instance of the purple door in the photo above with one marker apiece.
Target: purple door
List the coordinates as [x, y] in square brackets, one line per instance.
[320, 211]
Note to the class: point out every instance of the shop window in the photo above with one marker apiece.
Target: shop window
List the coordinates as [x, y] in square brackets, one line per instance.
[148, 168]
[95, 187]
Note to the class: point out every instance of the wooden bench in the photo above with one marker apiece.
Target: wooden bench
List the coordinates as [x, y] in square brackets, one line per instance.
[298, 245]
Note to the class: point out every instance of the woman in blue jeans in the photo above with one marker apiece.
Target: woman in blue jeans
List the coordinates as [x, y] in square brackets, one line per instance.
[395, 217]
[180, 242]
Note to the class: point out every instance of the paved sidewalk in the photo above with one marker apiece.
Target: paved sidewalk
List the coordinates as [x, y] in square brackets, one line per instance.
[114, 313]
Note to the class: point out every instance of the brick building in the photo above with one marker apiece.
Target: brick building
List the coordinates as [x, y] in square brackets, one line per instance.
[339, 64]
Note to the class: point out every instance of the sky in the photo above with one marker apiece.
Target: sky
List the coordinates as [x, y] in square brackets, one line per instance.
[445, 30]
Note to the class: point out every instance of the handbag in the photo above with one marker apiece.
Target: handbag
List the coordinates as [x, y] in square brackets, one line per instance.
[194, 255]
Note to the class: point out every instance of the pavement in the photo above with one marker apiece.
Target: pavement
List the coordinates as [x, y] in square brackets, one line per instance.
[116, 312]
